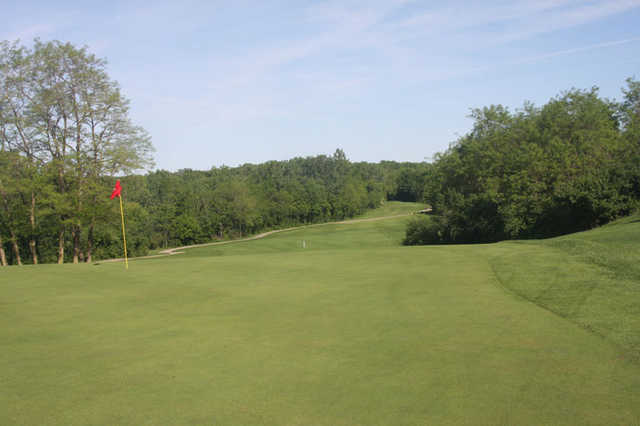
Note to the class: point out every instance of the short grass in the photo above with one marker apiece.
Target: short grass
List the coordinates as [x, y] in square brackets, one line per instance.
[327, 236]
[591, 278]
[353, 329]
[362, 235]
[391, 208]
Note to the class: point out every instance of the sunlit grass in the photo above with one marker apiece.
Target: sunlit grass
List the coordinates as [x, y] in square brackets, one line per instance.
[352, 329]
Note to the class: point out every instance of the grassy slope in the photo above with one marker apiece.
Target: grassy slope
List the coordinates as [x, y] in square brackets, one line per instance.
[364, 235]
[391, 208]
[352, 330]
[591, 278]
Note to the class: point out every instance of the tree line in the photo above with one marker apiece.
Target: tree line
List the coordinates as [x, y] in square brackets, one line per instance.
[65, 135]
[168, 209]
[567, 166]
[191, 206]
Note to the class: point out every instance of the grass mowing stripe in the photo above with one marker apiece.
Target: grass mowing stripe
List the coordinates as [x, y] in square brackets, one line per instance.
[590, 278]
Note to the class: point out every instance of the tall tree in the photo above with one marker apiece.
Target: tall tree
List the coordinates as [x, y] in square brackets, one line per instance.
[61, 111]
[17, 132]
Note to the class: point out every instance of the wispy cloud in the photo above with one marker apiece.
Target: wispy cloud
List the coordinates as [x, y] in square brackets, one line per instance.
[572, 51]
[549, 55]
[197, 69]
[357, 46]
[401, 40]
[572, 14]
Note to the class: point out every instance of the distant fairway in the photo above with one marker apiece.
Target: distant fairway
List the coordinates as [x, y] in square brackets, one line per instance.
[352, 329]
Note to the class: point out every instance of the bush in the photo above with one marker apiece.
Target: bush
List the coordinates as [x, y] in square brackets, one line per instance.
[423, 230]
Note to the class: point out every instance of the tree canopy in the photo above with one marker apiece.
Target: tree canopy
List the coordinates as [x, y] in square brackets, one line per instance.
[64, 126]
[567, 166]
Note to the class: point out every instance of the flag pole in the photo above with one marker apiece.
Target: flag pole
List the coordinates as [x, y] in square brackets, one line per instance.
[124, 237]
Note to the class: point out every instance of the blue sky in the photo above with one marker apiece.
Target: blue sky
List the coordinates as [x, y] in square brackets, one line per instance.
[235, 82]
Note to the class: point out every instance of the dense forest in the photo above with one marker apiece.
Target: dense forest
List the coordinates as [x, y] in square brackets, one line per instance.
[567, 166]
[167, 209]
[65, 135]
[192, 206]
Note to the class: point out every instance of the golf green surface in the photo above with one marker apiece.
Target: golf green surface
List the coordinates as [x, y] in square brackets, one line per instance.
[351, 329]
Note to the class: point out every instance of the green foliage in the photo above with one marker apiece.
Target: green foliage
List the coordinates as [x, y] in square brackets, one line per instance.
[65, 135]
[570, 165]
[406, 181]
[195, 206]
[186, 229]
[64, 126]
[422, 230]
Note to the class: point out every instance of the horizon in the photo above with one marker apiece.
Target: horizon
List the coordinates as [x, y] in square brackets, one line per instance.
[218, 84]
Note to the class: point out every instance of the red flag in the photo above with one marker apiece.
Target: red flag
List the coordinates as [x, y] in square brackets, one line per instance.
[117, 190]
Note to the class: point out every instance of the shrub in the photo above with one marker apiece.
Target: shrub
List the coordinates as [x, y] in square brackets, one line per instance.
[423, 230]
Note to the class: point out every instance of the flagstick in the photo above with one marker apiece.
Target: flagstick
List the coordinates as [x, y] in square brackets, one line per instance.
[124, 237]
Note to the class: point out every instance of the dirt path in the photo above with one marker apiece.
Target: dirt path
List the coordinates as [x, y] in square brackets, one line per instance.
[177, 250]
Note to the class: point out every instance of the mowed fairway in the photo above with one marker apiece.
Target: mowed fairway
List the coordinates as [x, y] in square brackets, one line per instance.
[352, 329]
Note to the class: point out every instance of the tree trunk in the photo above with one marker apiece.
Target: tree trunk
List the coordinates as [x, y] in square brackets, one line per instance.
[32, 219]
[76, 229]
[16, 248]
[3, 257]
[61, 246]
[75, 236]
[90, 241]
[14, 240]
[62, 217]
[34, 253]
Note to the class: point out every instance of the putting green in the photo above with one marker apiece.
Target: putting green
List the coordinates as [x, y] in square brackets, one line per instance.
[352, 329]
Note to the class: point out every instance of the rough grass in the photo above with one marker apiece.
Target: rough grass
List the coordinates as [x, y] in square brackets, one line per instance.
[354, 329]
